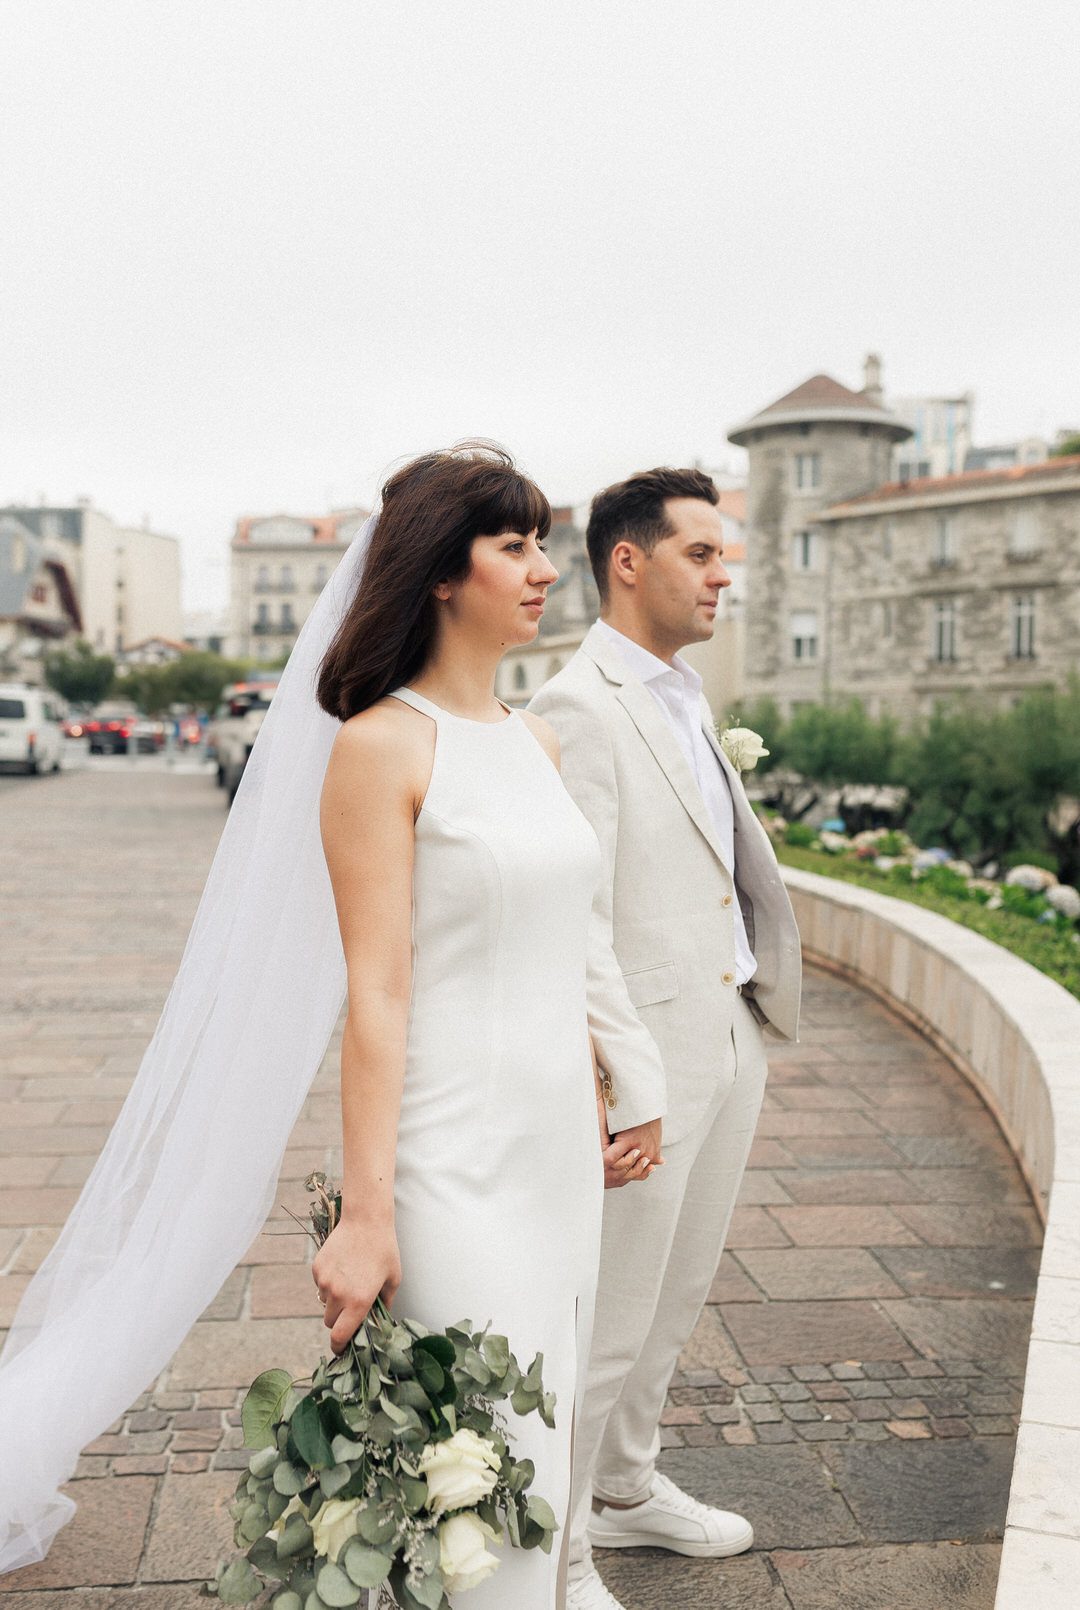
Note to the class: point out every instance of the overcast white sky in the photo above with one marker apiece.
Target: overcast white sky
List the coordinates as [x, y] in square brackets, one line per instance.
[254, 251]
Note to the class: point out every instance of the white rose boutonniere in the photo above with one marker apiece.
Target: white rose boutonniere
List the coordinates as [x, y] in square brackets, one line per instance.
[743, 747]
[463, 1558]
[460, 1471]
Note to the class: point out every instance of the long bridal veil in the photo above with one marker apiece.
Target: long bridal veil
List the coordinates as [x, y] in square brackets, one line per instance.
[187, 1175]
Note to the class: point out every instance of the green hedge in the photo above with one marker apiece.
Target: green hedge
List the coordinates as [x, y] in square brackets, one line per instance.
[1051, 950]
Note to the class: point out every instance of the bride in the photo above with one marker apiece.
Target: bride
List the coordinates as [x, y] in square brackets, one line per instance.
[390, 790]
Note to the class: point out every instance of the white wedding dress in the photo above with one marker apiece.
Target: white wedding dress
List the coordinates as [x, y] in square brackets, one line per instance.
[499, 1183]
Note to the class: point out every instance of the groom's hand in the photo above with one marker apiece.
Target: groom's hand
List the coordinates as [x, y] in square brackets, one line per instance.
[634, 1153]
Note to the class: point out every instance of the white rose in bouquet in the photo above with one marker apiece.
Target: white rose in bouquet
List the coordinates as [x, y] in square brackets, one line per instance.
[459, 1472]
[463, 1558]
[743, 747]
[334, 1525]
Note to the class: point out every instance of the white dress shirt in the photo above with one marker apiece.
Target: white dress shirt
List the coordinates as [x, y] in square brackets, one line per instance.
[677, 690]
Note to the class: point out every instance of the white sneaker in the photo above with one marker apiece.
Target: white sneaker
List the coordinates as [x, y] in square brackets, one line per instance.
[670, 1519]
[589, 1593]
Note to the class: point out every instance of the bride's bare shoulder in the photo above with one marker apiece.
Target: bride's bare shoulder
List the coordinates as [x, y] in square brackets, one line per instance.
[389, 742]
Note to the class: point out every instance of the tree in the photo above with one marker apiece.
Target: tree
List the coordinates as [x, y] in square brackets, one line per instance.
[78, 674]
[1067, 446]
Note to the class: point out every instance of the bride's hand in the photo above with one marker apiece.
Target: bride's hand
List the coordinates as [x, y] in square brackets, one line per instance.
[621, 1166]
[357, 1263]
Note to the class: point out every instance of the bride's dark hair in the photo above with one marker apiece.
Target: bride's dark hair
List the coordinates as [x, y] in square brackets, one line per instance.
[432, 509]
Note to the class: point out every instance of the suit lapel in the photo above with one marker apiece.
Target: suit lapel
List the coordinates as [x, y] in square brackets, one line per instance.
[644, 712]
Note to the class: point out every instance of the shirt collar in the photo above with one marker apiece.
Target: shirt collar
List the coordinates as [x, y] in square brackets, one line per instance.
[647, 666]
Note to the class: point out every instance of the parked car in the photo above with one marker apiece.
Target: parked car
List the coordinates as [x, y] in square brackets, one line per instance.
[31, 734]
[235, 726]
[116, 726]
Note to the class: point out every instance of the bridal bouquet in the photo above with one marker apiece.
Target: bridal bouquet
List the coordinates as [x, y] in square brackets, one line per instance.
[392, 1471]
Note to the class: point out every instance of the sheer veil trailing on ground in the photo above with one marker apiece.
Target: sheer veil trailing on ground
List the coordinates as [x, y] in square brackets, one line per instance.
[187, 1175]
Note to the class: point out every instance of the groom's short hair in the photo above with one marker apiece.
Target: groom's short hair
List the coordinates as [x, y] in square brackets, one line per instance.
[634, 511]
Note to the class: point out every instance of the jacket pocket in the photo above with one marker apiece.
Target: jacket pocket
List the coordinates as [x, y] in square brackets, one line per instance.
[648, 985]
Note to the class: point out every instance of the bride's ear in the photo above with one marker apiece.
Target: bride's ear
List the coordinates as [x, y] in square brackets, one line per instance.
[441, 590]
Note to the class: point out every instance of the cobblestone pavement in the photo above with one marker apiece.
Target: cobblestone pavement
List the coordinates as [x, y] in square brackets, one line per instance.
[853, 1385]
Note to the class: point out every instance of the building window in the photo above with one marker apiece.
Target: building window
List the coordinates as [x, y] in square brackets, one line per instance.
[943, 547]
[807, 472]
[286, 576]
[913, 469]
[520, 678]
[803, 555]
[262, 578]
[1024, 532]
[1022, 626]
[886, 618]
[804, 635]
[287, 622]
[262, 614]
[944, 644]
[887, 539]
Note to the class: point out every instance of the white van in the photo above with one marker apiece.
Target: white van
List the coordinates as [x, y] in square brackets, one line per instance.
[31, 736]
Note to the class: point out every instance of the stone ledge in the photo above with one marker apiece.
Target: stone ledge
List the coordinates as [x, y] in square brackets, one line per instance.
[1015, 1035]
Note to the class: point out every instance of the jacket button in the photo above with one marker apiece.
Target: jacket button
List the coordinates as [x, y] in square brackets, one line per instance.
[728, 978]
[726, 901]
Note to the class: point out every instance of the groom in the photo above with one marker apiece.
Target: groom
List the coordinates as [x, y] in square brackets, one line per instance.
[692, 903]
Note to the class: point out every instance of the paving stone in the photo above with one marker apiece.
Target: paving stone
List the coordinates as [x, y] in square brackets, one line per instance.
[943, 1327]
[781, 1431]
[786, 1332]
[843, 1151]
[771, 1374]
[965, 1185]
[985, 1224]
[192, 1527]
[794, 1273]
[950, 1428]
[810, 1372]
[784, 1490]
[847, 1372]
[908, 1430]
[926, 1491]
[758, 1186]
[732, 1285]
[837, 1186]
[917, 1577]
[823, 1431]
[643, 1578]
[233, 1352]
[711, 1346]
[284, 1291]
[847, 1225]
[100, 1545]
[754, 1227]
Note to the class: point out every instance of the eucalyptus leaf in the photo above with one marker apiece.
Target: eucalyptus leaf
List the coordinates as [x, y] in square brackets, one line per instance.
[547, 1410]
[474, 1366]
[440, 1348]
[344, 1448]
[541, 1512]
[261, 1464]
[335, 1587]
[333, 1480]
[289, 1479]
[263, 1404]
[253, 1523]
[238, 1584]
[413, 1493]
[496, 1350]
[375, 1526]
[294, 1537]
[287, 1601]
[365, 1566]
[263, 1557]
[428, 1590]
[309, 1435]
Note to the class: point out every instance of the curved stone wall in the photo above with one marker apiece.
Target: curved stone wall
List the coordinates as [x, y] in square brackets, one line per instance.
[1016, 1036]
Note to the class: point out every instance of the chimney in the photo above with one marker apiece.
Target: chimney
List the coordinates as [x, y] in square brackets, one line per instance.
[872, 379]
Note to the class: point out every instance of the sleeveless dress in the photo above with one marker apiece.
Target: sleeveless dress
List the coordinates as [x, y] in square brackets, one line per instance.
[499, 1179]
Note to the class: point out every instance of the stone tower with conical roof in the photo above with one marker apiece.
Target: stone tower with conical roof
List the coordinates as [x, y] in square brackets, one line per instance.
[811, 448]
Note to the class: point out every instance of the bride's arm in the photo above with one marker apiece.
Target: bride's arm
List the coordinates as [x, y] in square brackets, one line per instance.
[367, 815]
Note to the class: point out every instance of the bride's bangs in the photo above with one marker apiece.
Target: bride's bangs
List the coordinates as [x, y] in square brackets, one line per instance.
[517, 505]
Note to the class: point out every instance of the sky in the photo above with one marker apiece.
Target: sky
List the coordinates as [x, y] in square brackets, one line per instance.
[254, 254]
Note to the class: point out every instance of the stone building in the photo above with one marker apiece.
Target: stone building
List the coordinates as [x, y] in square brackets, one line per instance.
[280, 564]
[968, 581]
[900, 591]
[808, 450]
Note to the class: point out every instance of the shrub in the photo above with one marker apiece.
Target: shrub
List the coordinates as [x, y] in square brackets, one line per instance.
[891, 843]
[1038, 858]
[800, 835]
[1022, 901]
[946, 881]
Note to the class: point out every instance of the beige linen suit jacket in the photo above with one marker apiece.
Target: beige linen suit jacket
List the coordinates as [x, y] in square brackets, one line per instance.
[662, 946]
